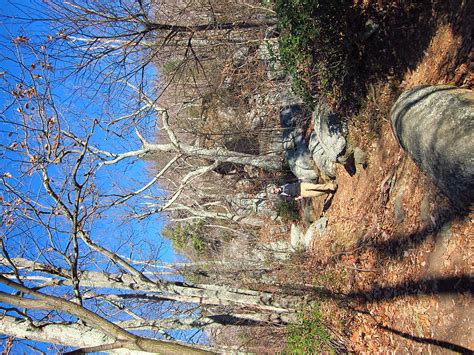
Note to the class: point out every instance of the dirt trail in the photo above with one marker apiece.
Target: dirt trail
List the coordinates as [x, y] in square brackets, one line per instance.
[405, 252]
[394, 243]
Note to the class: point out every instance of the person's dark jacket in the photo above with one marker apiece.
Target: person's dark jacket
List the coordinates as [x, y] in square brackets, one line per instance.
[290, 190]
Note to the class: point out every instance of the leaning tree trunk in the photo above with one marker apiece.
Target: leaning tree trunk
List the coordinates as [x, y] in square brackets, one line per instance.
[206, 294]
[221, 155]
[122, 339]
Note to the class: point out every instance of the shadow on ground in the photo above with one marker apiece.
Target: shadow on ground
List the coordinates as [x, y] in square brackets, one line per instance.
[385, 44]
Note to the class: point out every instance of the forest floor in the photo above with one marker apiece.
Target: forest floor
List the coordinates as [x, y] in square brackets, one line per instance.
[396, 249]
[400, 254]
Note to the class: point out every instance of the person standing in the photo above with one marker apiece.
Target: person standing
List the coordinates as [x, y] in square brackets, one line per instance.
[299, 190]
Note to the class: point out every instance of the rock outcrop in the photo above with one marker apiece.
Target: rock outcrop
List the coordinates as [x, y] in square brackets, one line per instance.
[435, 126]
[246, 204]
[301, 240]
[296, 237]
[269, 53]
[296, 151]
[327, 142]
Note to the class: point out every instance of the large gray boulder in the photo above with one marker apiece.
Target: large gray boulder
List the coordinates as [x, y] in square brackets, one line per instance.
[435, 126]
[296, 151]
[327, 142]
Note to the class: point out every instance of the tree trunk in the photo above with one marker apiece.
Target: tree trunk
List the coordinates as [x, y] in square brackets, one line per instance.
[221, 155]
[123, 338]
[206, 294]
[219, 26]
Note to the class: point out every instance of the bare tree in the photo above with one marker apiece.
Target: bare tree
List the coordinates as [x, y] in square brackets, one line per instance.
[114, 43]
[121, 38]
[64, 279]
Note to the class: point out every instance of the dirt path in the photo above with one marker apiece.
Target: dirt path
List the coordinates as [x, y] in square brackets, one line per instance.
[395, 245]
[402, 253]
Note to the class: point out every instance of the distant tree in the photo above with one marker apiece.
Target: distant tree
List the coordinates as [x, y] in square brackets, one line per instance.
[126, 36]
[64, 279]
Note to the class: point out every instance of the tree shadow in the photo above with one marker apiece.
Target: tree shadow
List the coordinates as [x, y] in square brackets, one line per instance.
[422, 340]
[449, 285]
[398, 243]
[382, 44]
[438, 285]
[463, 284]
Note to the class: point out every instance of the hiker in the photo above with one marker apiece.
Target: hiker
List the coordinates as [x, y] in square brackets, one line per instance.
[298, 190]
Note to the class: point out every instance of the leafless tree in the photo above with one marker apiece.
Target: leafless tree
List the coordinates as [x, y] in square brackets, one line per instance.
[112, 44]
[64, 278]
[120, 39]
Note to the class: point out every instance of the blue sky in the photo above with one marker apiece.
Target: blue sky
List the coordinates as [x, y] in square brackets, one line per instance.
[76, 104]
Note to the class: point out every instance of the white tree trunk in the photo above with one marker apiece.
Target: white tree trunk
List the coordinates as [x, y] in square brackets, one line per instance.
[207, 294]
[74, 335]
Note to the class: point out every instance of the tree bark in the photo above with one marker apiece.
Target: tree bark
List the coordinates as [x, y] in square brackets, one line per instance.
[206, 294]
[219, 26]
[123, 338]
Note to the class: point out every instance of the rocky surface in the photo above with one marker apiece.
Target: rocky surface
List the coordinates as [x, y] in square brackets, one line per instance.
[327, 142]
[240, 56]
[269, 53]
[246, 204]
[435, 126]
[301, 239]
[296, 236]
[297, 154]
[279, 250]
[316, 229]
[326, 145]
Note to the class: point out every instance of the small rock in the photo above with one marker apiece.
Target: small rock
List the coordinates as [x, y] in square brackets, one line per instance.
[360, 157]
[240, 56]
[398, 210]
[227, 83]
[425, 213]
[316, 229]
[296, 237]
